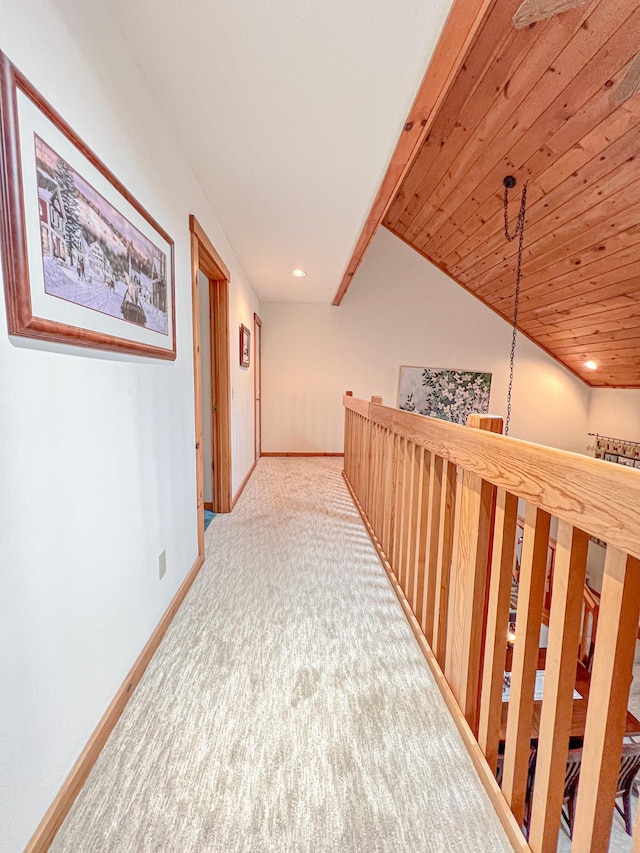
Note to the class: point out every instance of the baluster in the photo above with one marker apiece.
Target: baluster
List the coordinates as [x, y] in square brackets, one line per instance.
[467, 593]
[636, 832]
[474, 509]
[345, 464]
[417, 465]
[402, 509]
[396, 474]
[373, 476]
[560, 675]
[606, 713]
[446, 531]
[423, 532]
[406, 514]
[376, 474]
[364, 449]
[387, 488]
[525, 658]
[347, 440]
[504, 543]
[428, 608]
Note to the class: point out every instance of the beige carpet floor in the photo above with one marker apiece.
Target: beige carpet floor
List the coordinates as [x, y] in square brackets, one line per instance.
[289, 707]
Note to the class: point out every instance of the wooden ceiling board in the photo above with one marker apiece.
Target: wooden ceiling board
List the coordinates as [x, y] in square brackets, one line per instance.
[564, 182]
[507, 139]
[497, 194]
[524, 157]
[585, 243]
[565, 226]
[556, 301]
[599, 183]
[556, 104]
[597, 343]
[545, 290]
[582, 309]
[481, 121]
[574, 172]
[497, 57]
[624, 331]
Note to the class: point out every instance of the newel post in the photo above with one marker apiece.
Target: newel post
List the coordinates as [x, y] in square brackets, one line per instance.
[471, 560]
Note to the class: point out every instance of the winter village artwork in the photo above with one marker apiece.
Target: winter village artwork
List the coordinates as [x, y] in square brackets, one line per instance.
[91, 255]
[451, 395]
[84, 262]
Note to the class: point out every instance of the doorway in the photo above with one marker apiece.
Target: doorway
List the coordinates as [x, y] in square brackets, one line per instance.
[210, 295]
[257, 384]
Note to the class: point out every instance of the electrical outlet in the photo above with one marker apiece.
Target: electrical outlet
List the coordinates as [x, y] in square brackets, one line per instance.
[162, 564]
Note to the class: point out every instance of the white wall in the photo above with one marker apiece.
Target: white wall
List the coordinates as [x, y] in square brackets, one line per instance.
[615, 412]
[97, 467]
[401, 310]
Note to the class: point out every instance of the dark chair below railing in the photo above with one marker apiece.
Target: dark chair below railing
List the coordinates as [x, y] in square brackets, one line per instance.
[629, 767]
[571, 779]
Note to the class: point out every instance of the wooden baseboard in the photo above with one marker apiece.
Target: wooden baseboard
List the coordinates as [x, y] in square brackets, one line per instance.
[483, 770]
[302, 454]
[52, 821]
[208, 505]
[243, 484]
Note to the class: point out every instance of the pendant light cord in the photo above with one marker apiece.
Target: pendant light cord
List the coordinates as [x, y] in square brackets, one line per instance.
[519, 233]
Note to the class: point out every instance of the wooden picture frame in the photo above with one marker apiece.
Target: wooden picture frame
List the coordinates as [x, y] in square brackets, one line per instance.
[245, 346]
[83, 262]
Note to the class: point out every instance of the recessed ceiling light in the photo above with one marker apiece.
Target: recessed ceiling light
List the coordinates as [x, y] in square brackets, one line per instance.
[591, 365]
[298, 273]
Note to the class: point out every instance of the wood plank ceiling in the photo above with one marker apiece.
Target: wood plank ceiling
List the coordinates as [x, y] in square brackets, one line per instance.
[553, 102]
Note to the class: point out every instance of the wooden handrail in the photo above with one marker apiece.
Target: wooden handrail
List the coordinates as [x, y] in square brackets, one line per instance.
[440, 503]
[601, 499]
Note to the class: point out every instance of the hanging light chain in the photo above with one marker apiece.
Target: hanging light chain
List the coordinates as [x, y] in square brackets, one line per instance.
[518, 232]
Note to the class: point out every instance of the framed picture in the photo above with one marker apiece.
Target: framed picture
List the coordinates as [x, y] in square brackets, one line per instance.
[451, 395]
[84, 263]
[245, 346]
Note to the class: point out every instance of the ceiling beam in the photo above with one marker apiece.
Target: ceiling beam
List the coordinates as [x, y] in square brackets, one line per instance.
[460, 30]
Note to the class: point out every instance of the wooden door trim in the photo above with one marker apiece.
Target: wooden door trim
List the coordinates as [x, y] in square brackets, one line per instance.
[454, 44]
[204, 257]
[222, 271]
[257, 383]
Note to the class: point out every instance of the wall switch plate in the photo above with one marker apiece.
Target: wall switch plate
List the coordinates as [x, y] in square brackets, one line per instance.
[162, 564]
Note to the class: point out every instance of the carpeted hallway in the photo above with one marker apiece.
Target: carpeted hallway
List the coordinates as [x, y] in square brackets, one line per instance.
[288, 708]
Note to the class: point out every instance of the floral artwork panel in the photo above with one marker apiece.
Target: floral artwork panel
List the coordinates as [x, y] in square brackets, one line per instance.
[451, 395]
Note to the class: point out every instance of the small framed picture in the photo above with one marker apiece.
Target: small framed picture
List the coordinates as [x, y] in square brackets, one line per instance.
[245, 346]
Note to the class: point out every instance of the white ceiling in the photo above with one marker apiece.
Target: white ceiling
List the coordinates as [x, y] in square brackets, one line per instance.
[289, 111]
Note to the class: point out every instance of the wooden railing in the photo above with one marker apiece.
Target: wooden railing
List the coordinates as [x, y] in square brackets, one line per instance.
[440, 502]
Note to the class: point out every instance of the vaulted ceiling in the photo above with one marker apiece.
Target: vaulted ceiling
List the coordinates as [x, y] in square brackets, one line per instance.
[547, 91]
